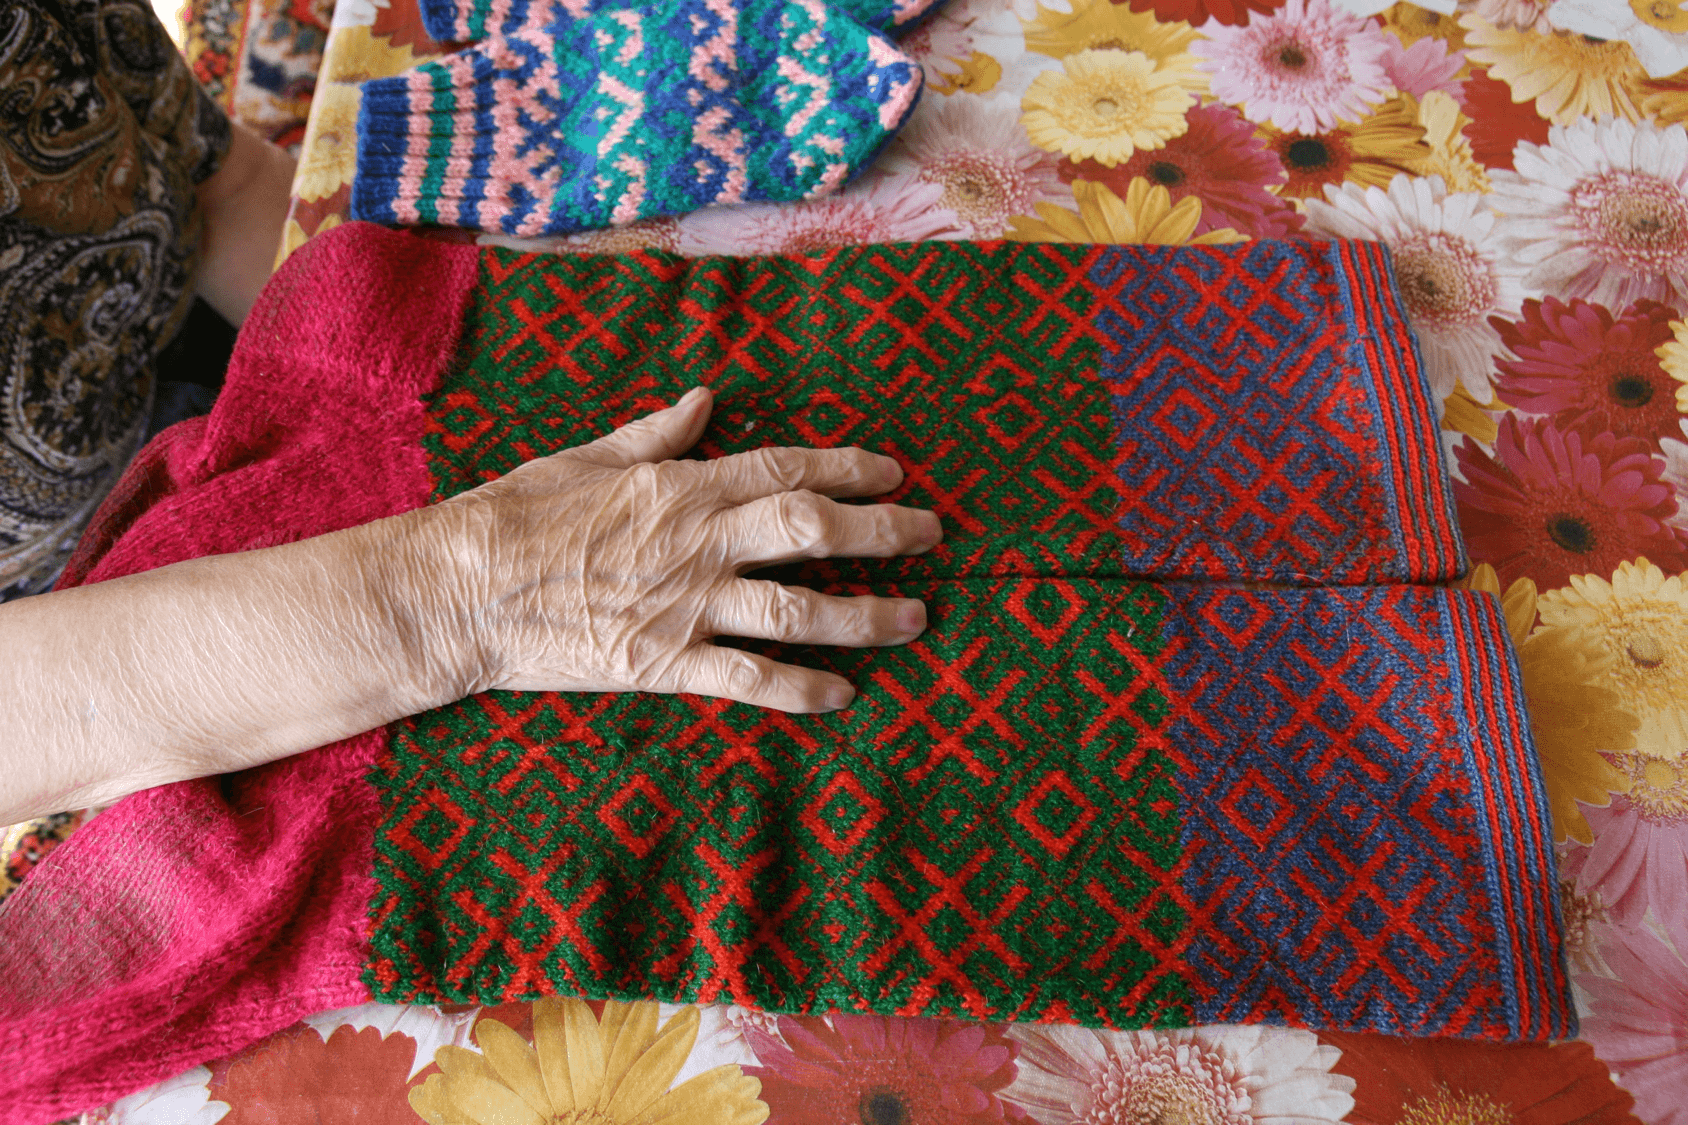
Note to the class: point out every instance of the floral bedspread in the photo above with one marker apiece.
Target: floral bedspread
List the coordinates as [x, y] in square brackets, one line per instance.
[1527, 161]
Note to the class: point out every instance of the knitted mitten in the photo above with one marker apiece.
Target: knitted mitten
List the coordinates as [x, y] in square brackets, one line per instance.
[574, 115]
[462, 21]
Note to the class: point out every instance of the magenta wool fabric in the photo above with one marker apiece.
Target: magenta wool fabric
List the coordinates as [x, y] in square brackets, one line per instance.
[240, 920]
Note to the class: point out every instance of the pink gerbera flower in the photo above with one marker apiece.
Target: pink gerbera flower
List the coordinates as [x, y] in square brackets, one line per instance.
[1592, 371]
[1639, 1022]
[895, 209]
[977, 152]
[1223, 1075]
[1425, 66]
[939, 44]
[1551, 504]
[1303, 68]
[1220, 161]
[1639, 857]
[1600, 211]
[846, 1069]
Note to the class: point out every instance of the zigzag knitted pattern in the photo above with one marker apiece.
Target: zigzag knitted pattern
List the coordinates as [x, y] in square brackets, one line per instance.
[462, 21]
[577, 114]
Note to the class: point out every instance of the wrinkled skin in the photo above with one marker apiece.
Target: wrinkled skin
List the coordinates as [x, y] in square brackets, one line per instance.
[603, 568]
[608, 567]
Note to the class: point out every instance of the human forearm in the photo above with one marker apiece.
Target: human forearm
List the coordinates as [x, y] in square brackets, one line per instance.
[606, 567]
[214, 665]
[244, 206]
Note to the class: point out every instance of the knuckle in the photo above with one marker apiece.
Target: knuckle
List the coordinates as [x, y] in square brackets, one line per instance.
[784, 464]
[857, 626]
[788, 613]
[746, 679]
[806, 519]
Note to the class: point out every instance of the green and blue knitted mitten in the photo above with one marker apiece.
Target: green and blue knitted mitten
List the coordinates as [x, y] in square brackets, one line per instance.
[578, 114]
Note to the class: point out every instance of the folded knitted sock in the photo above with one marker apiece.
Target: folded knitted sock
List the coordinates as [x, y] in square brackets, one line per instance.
[462, 21]
[1077, 798]
[1252, 413]
[574, 115]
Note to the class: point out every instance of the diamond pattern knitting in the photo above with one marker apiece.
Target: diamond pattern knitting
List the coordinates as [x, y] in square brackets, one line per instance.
[1014, 368]
[713, 851]
[1334, 831]
[1080, 796]
[579, 114]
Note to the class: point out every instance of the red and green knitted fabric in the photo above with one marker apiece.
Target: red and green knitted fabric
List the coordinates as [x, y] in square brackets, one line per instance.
[1082, 795]
[1253, 414]
[1190, 737]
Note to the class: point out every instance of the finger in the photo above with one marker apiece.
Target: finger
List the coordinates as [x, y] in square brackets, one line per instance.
[773, 611]
[807, 525]
[849, 471]
[661, 436]
[729, 673]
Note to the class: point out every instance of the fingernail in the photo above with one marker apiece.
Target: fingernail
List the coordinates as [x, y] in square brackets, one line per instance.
[839, 696]
[935, 533]
[911, 619]
[690, 396]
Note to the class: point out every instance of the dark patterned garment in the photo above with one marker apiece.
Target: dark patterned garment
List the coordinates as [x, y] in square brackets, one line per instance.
[103, 136]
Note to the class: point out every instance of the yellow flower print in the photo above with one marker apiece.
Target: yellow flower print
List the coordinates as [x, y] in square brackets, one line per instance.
[1105, 105]
[583, 1071]
[1450, 153]
[1673, 357]
[1410, 23]
[1568, 75]
[1465, 415]
[979, 74]
[1145, 215]
[1101, 25]
[329, 157]
[1639, 623]
[356, 54]
[1573, 715]
[1371, 152]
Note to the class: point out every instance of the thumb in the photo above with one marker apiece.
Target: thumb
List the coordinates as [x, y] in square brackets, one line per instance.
[661, 436]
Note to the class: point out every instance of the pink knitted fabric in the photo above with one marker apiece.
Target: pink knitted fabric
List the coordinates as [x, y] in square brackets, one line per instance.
[191, 920]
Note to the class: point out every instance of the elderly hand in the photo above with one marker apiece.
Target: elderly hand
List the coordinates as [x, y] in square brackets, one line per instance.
[609, 566]
[602, 568]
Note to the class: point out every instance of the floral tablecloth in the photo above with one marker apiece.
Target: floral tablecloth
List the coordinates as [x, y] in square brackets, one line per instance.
[1528, 164]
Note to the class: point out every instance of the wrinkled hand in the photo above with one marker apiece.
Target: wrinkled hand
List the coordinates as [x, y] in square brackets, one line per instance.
[609, 566]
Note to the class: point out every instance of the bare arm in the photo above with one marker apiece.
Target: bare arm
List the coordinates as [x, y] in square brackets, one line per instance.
[244, 204]
[602, 568]
[210, 665]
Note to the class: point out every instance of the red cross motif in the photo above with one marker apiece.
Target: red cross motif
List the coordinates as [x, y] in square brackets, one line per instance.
[945, 742]
[493, 927]
[914, 929]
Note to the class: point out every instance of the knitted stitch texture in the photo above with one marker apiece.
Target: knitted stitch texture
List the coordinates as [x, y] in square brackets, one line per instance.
[461, 21]
[1080, 796]
[192, 919]
[576, 114]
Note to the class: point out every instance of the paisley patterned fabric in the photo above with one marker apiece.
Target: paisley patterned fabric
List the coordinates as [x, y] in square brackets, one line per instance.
[103, 136]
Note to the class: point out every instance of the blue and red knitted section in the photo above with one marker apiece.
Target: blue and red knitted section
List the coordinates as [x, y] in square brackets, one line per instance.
[1266, 397]
[1361, 747]
[581, 115]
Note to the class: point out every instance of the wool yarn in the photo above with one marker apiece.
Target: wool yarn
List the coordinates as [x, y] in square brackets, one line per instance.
[573, 115]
